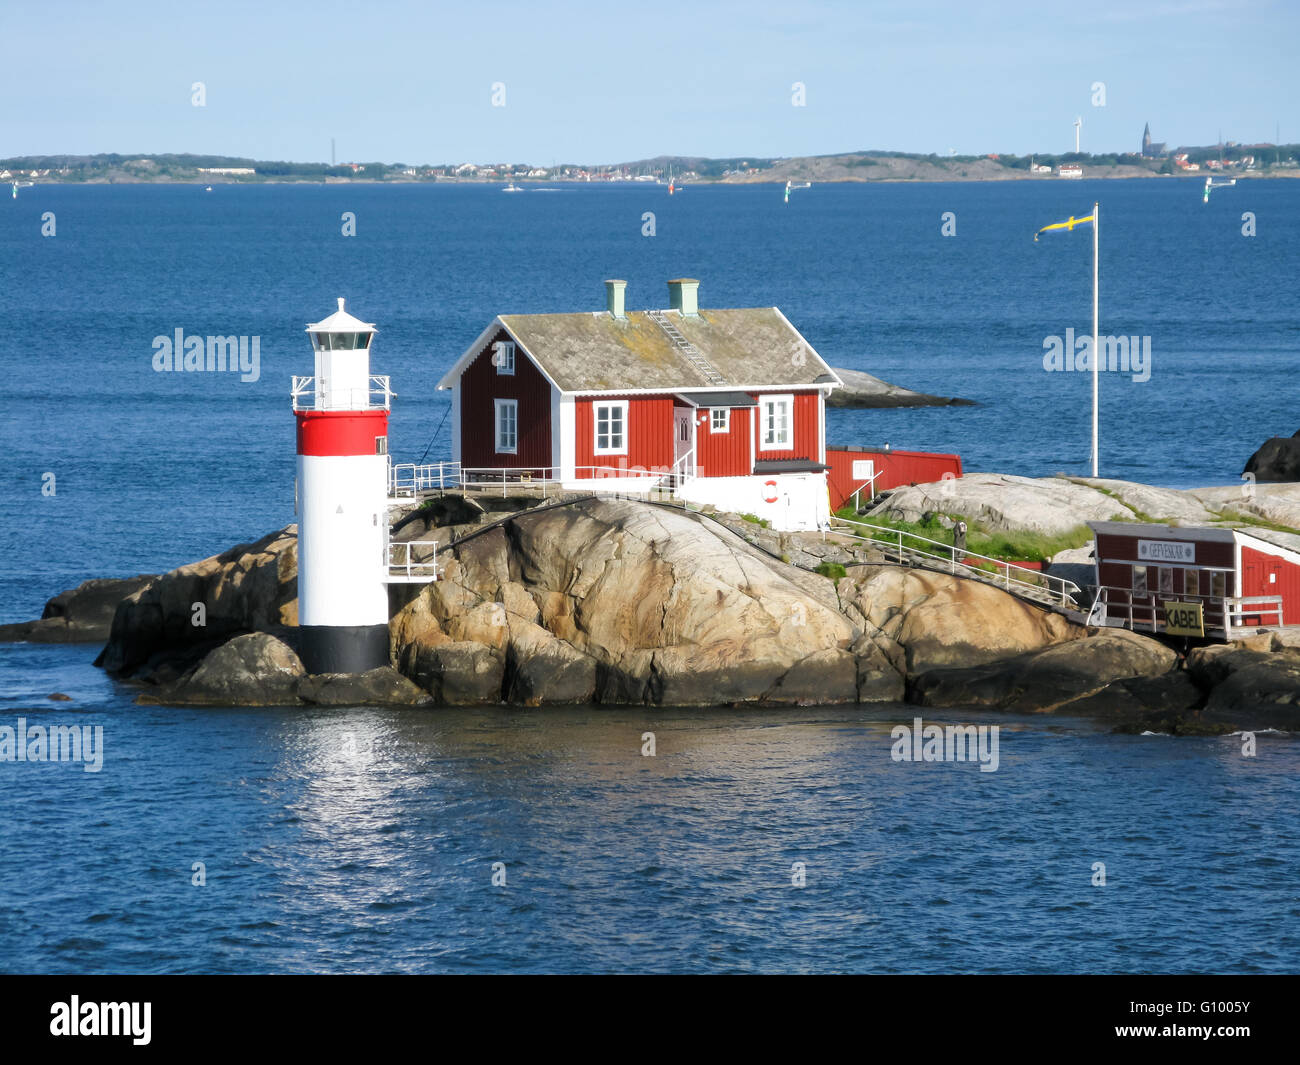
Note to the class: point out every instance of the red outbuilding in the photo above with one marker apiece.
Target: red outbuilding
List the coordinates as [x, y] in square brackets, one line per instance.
[1220, 583]
[858, 473]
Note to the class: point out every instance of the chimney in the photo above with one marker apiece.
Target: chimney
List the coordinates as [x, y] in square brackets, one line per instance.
[614, 298]
[683, 296]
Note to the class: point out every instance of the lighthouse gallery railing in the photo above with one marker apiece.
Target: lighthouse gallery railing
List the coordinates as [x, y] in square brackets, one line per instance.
[377, 395]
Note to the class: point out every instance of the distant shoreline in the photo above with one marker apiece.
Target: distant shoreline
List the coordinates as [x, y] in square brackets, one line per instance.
[1101, 175]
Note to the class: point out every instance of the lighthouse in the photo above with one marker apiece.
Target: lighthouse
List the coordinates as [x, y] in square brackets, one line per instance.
[342, 501]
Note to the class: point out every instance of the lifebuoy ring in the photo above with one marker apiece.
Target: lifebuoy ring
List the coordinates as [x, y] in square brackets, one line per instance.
[769, 495]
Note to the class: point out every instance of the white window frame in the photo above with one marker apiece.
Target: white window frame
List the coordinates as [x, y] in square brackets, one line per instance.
[764, 403]
[499, 405]
[714, 427]
[596, 408]
[506, 363]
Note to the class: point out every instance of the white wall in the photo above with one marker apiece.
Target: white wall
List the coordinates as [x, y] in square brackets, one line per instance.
[341, 564]
[802, 499]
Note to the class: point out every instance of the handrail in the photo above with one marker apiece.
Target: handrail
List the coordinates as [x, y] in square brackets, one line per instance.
[870, 482]
[1230, 612]
[1237, 607]
[1056, 587]
[306, 395]
[678, 470]
[407, 479]
[406, 569]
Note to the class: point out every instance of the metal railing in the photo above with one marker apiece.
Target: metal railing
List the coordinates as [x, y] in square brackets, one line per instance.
[681, 471]
[404, 568]
[870, 483]
[406, 480]
[1239, 608]
[1227, 615]
[1012, 578]
[377, 395]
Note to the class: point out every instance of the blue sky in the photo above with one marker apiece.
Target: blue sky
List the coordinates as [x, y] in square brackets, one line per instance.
[603, 82]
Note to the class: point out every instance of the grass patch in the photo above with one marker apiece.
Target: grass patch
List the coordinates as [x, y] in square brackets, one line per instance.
[833, 570]
[754, 519]
[1019, 546]
[1236, 517]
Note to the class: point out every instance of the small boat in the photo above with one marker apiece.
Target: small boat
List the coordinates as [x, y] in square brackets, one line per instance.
[1210, 183]
[512, 187]
[208, 189]
[19, 185]
[792, 186]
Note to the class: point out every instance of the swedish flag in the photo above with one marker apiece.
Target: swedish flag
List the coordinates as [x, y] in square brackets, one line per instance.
[1067, 225]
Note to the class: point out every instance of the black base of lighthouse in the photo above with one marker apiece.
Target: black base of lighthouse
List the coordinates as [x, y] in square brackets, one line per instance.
[343, 648]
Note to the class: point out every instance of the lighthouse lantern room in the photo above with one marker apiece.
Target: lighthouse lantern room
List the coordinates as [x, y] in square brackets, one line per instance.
[342, 419]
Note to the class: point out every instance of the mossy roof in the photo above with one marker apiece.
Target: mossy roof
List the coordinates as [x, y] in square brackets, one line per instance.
[749, 347]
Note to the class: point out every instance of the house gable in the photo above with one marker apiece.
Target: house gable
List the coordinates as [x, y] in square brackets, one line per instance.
[481, 386]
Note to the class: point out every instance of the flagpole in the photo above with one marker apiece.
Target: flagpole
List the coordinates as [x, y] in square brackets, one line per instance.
[1096, 349]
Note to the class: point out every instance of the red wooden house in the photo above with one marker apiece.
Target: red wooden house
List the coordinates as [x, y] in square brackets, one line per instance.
[1215, 582]
[724, 407]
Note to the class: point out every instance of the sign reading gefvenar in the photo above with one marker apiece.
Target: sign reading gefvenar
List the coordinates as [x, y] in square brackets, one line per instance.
[1184, 619]
[1166, 551]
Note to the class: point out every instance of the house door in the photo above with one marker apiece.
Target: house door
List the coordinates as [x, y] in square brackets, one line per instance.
[684, 439]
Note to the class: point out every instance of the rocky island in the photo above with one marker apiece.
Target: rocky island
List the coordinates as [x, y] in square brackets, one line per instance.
[622, 602]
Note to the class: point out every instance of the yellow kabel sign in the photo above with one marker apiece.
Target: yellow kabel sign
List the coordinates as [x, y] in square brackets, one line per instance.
[1184, 619]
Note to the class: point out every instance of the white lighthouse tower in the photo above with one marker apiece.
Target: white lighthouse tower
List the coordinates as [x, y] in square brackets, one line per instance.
[342, 416]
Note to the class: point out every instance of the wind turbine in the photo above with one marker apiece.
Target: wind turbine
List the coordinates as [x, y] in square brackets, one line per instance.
[1077, 123]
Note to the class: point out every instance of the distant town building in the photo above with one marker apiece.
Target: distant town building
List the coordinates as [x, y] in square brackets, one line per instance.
[1150, 149]
[237, 171]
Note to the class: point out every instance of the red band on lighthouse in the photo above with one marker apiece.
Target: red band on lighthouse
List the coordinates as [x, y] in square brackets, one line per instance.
[340, 432]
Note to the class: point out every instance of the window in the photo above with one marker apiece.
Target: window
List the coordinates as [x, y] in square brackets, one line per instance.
[611, 428]
[503, 356]
[775, 426]
[341, 341]
[1139, 581]
[1166, 581]
[1218, 585]
[720, 420]
[1191, 582]
[381, 445]
[507, 426]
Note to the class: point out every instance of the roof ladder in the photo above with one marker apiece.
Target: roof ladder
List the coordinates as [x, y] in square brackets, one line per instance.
[689, 351]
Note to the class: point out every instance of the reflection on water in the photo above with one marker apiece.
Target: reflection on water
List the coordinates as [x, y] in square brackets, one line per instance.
[365, 840]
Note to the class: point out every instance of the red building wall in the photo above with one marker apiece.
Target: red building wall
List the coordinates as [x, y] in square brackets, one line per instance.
[480, 384]
[1257, 567]
[724, 454]
[807, 428]
[894, 468]
[649, 434]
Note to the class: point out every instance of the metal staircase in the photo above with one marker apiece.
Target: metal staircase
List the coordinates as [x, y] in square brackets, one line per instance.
[689, 351]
